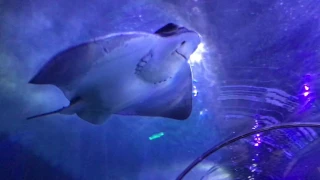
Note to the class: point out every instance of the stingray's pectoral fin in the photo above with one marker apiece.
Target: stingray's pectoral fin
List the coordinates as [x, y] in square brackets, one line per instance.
[94, 116]
[76, 105]
[179, 109]
[46, 114]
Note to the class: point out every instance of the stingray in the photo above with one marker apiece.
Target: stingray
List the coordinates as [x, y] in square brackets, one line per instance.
[129, 73]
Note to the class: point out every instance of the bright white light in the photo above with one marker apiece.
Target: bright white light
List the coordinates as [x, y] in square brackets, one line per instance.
[201, 112]
[306, 93]
[195, 92]
[197, 56]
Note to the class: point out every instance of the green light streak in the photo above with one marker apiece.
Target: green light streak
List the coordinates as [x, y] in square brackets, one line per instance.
[156, 136]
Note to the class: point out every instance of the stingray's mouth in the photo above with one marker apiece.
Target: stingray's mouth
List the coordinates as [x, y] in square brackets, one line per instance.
[181, 55]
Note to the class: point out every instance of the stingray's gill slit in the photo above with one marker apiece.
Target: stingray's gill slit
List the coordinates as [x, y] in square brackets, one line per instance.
[181, 55]
[232, 140]
[143, 61]
[126, 77]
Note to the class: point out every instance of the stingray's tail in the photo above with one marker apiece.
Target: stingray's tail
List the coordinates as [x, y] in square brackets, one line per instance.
[46, 114]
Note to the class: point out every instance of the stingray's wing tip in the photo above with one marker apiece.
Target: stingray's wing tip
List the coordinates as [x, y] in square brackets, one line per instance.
[37, 79]
[32, 81]
[179, 113]
[31, 117]
[46, 114]
[183, 116]
[34, 117]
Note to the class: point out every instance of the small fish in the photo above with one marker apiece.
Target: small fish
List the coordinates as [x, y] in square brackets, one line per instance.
[129, 73]
[156, 136]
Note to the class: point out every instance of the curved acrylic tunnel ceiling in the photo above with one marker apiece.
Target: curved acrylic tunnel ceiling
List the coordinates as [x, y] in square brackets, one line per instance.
[266, 56]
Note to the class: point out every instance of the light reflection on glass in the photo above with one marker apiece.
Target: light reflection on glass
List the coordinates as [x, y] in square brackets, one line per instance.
[306, 94]
[256, 142]
[197, 56]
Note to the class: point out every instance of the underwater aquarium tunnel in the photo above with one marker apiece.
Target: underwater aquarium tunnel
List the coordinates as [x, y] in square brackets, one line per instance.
[159, 90]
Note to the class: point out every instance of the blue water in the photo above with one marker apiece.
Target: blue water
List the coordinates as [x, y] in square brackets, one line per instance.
[258, 65]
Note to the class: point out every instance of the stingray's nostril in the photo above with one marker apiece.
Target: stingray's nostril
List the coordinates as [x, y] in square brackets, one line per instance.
[183, 42]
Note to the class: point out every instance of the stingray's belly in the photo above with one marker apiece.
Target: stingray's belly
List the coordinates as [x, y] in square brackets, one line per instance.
[124, 96]
[115, 95]
[113, 87]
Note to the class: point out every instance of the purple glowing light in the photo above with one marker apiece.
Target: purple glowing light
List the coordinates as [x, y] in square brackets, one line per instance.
[306, 94]
[306, 87]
